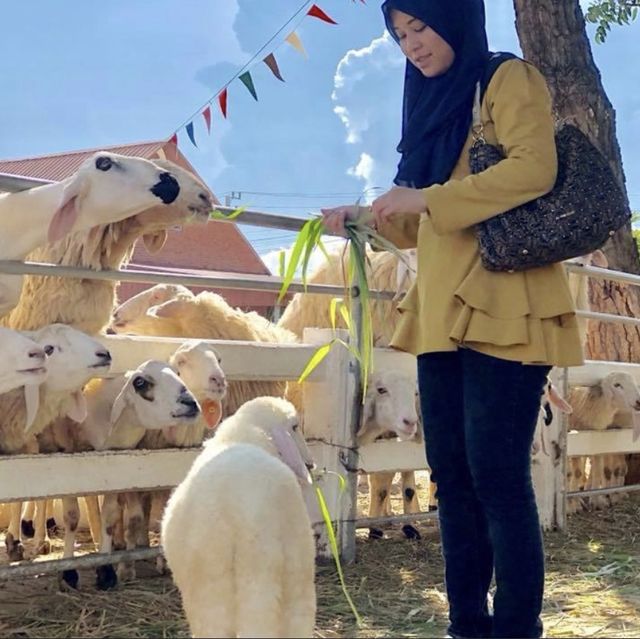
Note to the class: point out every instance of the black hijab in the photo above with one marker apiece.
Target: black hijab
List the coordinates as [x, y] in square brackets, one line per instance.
[437, 112]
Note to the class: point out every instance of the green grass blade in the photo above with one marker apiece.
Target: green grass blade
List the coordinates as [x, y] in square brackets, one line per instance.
[317, 357]
[296, 252]
[218, 215]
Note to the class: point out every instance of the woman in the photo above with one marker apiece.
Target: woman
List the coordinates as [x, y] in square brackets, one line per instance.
[485, 340]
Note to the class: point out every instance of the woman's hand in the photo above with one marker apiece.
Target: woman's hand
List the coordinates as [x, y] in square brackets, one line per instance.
[399, 199]
[334, 218]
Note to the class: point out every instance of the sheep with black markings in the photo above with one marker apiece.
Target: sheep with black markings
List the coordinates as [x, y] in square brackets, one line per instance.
[236, 533]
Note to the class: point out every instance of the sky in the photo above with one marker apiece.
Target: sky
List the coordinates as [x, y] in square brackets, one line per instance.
[81, 74]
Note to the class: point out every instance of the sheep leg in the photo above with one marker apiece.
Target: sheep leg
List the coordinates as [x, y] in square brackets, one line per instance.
[576, 473]
[105, 575]
[618, 465]
[15, 549]
[379, 503]
[93, 515]
[597, 480]
[42, 543]
[133, 525]
[71, 518]
[26, 524]
[160, 497]
[52, 526]
[410, 502]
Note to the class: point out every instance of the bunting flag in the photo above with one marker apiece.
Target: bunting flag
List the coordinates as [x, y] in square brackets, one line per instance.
[206, 114]
[174, 139]
[296, 43]
[189, 129]
[245, 78]
[316, 12]
[222, 100]
[270, 61]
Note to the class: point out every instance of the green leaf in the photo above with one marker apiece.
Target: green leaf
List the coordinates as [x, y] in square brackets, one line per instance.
[316, 358]
[296, 253]
[281, 263]
[218, 215]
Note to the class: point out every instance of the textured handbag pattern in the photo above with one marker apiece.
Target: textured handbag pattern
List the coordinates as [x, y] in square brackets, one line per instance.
[585, 207]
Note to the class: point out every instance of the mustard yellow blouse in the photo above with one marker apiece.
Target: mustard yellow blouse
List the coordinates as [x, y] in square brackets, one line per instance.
[525, 316]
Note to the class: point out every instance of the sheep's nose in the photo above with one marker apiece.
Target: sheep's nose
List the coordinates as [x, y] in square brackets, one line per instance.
[167, 189]
[37, 353]
[110, 331]
[205, 199]
[218, 381]
[410, 423]
[637, 405]
[104, 355]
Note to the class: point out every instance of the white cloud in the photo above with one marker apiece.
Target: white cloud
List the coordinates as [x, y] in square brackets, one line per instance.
[365, 170]
[272, 258]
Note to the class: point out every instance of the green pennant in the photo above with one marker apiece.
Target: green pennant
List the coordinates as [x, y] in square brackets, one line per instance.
[248, 82]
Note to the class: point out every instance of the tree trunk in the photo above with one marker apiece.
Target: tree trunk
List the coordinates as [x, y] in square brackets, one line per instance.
[553, 36]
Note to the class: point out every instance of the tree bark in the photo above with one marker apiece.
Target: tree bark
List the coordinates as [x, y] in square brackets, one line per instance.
[553, 36]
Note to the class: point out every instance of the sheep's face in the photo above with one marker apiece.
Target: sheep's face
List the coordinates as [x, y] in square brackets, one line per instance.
[126, 317]
[158, 397]
[390, 406]
[199, 367]
[622, 391]
[23, 361]
[73, 358]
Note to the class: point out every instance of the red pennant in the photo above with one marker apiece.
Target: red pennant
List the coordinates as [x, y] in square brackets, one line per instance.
[222, 100]
[316, 12]
[270, 61]
[206, 114]
[174, 139]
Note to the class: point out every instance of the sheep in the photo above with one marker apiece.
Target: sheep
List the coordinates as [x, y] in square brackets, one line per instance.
[236, 533]
[389, 411]
[119, 412]
[87, 304]
[106, 188]
[23, 361]
[205, 316]
[595, 408]
[73, 358]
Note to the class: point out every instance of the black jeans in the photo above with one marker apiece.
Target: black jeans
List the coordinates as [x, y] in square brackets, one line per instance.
[479, 415]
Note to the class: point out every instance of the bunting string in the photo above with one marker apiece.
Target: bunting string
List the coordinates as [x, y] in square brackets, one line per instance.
[244, 74]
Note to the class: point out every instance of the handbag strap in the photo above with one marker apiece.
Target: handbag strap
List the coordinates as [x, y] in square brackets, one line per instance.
[477, 128]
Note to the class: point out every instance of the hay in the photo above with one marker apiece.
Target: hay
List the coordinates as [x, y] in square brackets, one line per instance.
[592, 589]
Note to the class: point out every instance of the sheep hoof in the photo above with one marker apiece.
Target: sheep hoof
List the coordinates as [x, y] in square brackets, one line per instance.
[44, 548]
[26, 526]
[52, 527]
[410, 532]
[15, 549]
[69, 578]
[106, 577]
[375, 533]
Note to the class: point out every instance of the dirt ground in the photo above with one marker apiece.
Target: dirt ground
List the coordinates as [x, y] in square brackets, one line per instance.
[592, 589]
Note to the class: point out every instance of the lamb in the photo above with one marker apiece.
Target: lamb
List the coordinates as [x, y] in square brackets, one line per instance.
[390, 411]
[73, 358]
[119, 412]
[106, 188]
[87, 304]
[205, 316]
[236, 533]
[594, 408]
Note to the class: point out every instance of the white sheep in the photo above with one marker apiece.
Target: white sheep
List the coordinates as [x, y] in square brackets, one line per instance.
[87, 304]
[106, 188]
[119, 412]
[390, 411]
[204, 316]
[236, 533]
[73, 358]
[595, 408]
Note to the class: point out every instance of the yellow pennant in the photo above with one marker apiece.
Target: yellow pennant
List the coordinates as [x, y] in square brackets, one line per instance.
[294, 40]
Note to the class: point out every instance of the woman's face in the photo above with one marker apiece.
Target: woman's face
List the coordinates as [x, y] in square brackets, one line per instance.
[424, 48]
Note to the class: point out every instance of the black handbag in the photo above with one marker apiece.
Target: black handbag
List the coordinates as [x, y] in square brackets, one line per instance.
[582, 211]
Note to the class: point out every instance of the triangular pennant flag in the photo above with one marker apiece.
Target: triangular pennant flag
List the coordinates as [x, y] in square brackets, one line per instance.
[316, 12]
[245, 78]
[206, 114]
[174, 139]
[189, 128]
[270, 61]
[222, 100]
[296, 43]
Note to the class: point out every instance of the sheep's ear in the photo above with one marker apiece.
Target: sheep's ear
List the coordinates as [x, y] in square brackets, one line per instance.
[67, 212]
[558, 401]
[77, 410]
[212, 412]
[153, 242]
[119, 405]
[32, 403]
[168, 310]
[289, 453]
